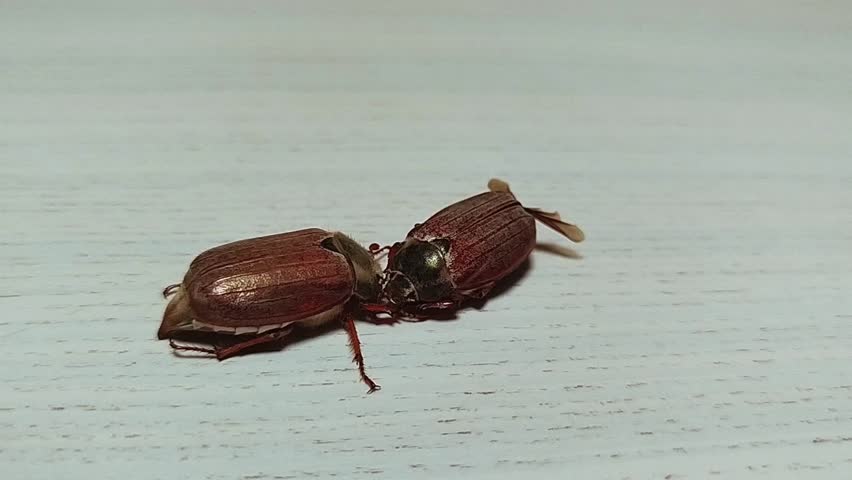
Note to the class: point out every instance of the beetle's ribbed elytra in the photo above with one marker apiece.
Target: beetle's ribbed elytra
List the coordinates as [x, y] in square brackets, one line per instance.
[263, 287]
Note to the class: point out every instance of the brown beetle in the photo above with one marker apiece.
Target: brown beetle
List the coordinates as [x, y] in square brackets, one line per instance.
[462, 251]
[260, 288]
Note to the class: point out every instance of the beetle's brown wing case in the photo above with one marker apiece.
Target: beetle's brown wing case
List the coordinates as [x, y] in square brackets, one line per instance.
[268, 280]
[490, 236]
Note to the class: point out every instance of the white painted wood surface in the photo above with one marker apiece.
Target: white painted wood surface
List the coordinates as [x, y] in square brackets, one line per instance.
[705, 150]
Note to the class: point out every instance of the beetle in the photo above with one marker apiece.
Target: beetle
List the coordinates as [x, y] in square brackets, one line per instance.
[259, 289]
[461, 252]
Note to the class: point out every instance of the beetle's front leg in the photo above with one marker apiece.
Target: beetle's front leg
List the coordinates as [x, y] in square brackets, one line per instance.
[423, 307]
[357, 357]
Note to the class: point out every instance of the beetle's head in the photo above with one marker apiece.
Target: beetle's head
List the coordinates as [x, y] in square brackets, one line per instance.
[417, 272]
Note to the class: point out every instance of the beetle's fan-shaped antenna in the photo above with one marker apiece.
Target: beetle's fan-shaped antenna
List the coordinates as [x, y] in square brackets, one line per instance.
[554, 221]
[551, 219]
[497, 185]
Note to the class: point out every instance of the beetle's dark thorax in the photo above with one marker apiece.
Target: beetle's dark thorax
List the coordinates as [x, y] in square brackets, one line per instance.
[418, 272]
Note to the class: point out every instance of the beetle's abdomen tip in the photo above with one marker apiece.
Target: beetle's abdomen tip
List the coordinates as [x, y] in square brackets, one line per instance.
[178, 315]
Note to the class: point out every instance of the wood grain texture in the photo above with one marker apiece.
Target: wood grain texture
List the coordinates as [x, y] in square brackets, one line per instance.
[705, 332]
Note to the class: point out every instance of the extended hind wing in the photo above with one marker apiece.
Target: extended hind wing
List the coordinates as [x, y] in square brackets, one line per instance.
[554, 221]
[551, 219]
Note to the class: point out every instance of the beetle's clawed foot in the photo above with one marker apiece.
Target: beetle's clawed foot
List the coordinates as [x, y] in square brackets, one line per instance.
[373, 388]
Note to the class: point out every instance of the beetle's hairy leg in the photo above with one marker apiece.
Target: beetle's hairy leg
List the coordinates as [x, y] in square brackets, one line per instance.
[436, 306]
[178, 346]
[170, 289]
[357, 357]
[227, 352]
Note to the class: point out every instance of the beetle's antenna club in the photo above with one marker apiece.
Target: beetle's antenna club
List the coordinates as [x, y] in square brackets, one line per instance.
[497, 185]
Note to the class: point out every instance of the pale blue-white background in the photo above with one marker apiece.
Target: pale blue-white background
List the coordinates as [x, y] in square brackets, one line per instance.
[704, 148]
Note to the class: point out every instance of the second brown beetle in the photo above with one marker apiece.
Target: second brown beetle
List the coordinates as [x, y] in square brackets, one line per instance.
[462, 251]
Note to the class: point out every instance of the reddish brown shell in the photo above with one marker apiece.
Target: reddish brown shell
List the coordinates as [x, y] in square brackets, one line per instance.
[267, 280]
[490, 236]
